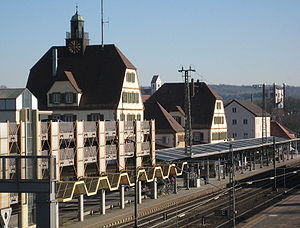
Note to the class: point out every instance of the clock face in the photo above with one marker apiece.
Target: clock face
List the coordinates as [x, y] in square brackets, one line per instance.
[74, 47]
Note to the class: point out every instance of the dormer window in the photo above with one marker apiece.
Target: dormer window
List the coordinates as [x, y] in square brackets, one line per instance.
[69, 98]
[56, 98]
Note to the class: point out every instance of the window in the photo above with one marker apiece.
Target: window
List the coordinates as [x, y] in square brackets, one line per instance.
[219, 105]
[165, 139]
[56, 98]
[180, 138]
[69, 117]
[234, 135]
[219, 120]
[219, 135]
[178, 119]
[245, 135]
[95, 117]
[245, 121]
[7, 104]
[233, 109]
[69, 98]
[130, 77]
[130, 117]
[138, 117]
[130, 97]
[2, 104]
[122, 117]
[234, 122]
[198, 136]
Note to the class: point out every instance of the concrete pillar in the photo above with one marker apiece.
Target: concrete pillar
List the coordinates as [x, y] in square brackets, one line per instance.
[80, 208]
[122, 196]
[102, 201]
[79, 149]
[242, 163]
[138, 143]
[139, 185]
[152, 142]
[101, 146]
[250, 161]
[154, 189]
[254, 160]
[121, 146]
[219, 169]
[292, 155]
[261, 154]
[57, 214]
[207, 171]
[224, 169]
[175, 186]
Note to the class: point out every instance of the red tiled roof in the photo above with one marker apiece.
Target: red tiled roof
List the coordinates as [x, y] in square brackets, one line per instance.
[171, 95]
[279, 130]
[164, 122]
[145, 97]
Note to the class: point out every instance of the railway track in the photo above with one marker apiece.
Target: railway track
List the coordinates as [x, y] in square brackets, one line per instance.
[191, 214]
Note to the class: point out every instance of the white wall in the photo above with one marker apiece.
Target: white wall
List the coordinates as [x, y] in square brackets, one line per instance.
[131, 108]
[253, 128]
[62, 87]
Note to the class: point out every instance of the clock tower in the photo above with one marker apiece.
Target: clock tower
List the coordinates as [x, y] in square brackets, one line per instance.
[77, 39]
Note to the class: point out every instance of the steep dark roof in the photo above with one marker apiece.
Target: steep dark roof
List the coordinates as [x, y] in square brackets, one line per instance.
[251, 107]
[279, 130]
[154, 78]
[164, 122]
[10, 93]
[203, 101]
[98, 73]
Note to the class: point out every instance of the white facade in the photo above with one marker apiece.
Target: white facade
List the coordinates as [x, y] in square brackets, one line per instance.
[130, 105]
[243, 124]
[218, 129]
[10, 107]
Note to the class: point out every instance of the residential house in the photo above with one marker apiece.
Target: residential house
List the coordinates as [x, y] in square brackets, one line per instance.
[168, 132]
[246, 120]
[79, 81]
[278, 130]
[207, 111]
[12, 101]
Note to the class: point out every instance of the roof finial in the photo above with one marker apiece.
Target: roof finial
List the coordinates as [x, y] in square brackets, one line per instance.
[77, 7]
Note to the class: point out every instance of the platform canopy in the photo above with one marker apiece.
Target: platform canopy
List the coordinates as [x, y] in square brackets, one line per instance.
[204, 150]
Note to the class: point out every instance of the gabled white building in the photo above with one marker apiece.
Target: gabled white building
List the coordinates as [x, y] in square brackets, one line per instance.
[245, 120]
[12, 101]
[155, 83]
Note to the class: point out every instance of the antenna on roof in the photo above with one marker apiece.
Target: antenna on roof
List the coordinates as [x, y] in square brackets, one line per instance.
[102, 25]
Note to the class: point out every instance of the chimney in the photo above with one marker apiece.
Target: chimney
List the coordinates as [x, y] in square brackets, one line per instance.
[54, 62]
[192, 87]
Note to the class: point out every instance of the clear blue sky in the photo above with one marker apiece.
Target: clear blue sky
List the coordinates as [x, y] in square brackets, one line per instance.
[227, 41]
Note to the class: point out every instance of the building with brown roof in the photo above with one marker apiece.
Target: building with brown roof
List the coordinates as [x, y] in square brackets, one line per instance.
[278, 130]
[86, 82]
[168, 132]
[207, 110]
[246, 120]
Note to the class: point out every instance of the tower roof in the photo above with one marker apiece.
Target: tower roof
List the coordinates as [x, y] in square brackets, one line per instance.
[77, 17]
